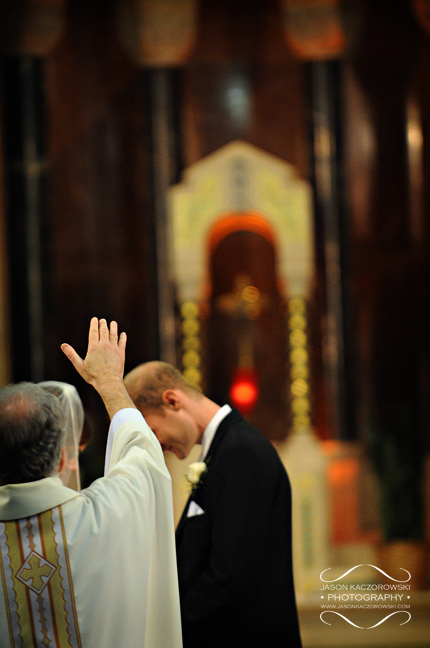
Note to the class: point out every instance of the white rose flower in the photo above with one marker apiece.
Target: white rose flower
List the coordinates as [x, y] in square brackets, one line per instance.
[195, 472]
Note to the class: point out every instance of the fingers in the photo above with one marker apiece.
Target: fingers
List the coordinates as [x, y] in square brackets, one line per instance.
[122, 340]
[99, 331]
[113, 332]
[103, 330]
[110, 333]
[93, 335]
[74, 357]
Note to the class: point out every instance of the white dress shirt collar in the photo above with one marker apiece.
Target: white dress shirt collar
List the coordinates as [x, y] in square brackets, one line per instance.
[211, 428]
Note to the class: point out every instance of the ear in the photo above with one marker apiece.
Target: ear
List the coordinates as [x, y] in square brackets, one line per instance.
[171, 398]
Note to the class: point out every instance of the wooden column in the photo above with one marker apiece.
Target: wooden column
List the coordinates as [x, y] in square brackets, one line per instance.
[28, 34]
[314, 32]
[4, 292]
[159, 36]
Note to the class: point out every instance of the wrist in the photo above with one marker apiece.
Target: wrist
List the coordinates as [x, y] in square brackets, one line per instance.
[108, 384]
[114, 395]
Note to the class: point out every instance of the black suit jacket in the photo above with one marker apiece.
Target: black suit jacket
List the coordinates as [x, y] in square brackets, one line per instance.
[234, 560]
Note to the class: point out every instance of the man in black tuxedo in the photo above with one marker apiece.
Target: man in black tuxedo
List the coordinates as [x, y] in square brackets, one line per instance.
[233, 540]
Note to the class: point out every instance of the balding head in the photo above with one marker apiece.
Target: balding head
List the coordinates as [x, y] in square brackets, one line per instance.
[31, 433]
[147, 383]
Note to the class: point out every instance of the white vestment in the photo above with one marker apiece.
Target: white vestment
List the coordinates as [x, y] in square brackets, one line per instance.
[95, 569]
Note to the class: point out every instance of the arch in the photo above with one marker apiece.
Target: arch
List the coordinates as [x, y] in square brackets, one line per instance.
[230, 222]
[242, 186]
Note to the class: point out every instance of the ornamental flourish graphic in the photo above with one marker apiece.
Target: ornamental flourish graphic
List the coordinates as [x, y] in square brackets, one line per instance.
[368, 627]
[365, 596]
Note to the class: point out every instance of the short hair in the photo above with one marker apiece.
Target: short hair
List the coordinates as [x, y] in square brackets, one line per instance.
[32, 433]
[147, 382]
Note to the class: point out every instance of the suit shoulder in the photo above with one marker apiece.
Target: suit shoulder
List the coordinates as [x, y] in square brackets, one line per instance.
[245, 441]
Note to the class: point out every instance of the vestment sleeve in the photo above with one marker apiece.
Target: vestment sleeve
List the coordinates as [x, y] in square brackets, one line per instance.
[132, 515]
[129, 429]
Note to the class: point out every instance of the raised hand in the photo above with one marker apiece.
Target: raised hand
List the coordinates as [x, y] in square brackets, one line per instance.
[103, 365]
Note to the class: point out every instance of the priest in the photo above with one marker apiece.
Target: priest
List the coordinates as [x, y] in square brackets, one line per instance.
[90, 568]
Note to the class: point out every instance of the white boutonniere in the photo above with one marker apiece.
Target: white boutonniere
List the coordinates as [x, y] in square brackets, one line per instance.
[195, 474]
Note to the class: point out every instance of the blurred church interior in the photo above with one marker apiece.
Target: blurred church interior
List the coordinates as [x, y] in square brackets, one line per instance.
[245, 187]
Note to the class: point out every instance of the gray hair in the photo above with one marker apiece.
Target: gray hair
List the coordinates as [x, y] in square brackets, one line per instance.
[147, 382]
[32, 433]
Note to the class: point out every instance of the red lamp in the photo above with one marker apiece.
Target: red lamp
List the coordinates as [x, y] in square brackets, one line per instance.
[244, 390]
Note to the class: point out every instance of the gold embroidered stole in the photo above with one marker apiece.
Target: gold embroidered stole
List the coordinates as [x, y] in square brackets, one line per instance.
[37, 582]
